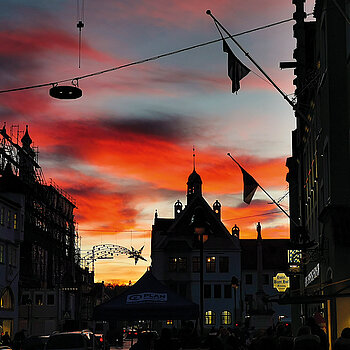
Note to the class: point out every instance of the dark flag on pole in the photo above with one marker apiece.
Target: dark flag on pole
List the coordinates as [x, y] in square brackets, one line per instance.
[250, 186]
[236, 69]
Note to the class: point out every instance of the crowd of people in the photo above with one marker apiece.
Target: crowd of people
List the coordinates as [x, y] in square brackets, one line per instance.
[309, 337]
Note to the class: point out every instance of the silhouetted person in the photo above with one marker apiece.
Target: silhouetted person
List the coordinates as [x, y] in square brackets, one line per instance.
[19, 339]
[316, 330]
[6, 340]
[143, 342]
[283, 339]
[343, 342]
[165, 341]
[305, 340]
[188, 336]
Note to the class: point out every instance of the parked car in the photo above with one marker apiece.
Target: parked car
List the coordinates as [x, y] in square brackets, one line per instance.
[101, 341]
[83, 340]
[35, 342]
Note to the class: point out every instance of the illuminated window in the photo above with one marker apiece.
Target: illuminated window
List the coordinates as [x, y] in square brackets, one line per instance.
[2, 254]
[39, 299]
[2, 216]
[169, 322]
[210, 318]
[6, 301]
[15, 221]
[211, 264]
[195, 264]
[226, 317]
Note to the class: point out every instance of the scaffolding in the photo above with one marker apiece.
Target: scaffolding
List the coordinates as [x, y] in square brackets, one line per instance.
[50, 250]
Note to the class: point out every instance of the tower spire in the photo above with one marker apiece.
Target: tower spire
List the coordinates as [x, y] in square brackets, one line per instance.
[194, 158]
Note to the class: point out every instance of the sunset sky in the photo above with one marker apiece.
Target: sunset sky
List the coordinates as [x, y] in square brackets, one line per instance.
[124, 149]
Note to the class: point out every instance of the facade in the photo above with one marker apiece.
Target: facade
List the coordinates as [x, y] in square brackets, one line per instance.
[320, 164]
[52, 285]
[175, 254]
[11, 235]
[273, 261]
[237, 273]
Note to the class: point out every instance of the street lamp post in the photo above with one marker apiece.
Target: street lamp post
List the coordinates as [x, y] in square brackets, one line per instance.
[235, 285]
[200, 229]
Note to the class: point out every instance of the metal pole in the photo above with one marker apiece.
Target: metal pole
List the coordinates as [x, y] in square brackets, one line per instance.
[235, 296]
[201, 286]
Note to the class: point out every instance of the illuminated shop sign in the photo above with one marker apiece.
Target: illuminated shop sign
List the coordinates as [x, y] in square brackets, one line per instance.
[281, 282]
[313, 274]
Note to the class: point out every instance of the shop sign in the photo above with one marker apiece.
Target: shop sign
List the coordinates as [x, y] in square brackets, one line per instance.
[313, 274]
[147, 298]
[281, 282]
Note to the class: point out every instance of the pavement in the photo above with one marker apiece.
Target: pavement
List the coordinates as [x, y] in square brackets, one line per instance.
[126, 345]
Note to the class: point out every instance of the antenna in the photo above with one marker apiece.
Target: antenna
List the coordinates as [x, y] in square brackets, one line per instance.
[80, 24]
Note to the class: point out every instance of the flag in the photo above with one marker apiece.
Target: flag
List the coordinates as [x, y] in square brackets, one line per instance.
[236, 69]
[250, 186]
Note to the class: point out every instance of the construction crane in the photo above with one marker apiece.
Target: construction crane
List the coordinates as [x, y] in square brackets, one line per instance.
[109, 251]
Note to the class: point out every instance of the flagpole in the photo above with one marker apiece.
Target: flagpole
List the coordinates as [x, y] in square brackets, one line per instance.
[252, 60]
[229, 154]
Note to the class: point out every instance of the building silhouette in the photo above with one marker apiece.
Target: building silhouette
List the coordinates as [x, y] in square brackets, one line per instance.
[230, 263]
[50, 280]
[319, 168]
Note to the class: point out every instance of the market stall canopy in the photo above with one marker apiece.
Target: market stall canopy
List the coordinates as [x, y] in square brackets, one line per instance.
[147, 299]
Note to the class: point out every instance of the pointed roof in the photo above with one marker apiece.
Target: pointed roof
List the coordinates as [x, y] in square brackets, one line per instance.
[147, 299]
[26, 140]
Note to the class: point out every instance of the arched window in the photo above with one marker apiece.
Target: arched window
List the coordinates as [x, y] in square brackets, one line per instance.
[210, 318]
[6, 301]
[226, 317]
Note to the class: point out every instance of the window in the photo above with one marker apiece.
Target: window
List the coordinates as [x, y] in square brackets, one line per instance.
[172, 264]
[217, 290]
[6, 301]
[15, 227]
[182, 289]
[210, 318]
[223, 263]
[226, 317]
[25, 300]
[207, 291]
[227, 291]
[50, 299]
[2, 254]
[2, 216]
[39, 299]
[177, 264]
[211, 264]
[9, 218]
[182, 265]
[249, 278]
[196, 264]
[12, 256]
[266, 279]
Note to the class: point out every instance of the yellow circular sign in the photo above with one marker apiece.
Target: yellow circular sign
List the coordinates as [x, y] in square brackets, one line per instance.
[281, 282]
